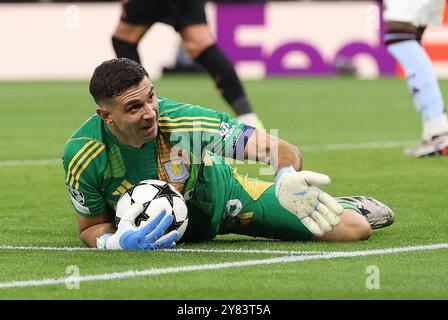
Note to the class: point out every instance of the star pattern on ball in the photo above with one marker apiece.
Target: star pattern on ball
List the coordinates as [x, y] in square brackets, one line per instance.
[130, 191]
[140, 218]
[165, 191]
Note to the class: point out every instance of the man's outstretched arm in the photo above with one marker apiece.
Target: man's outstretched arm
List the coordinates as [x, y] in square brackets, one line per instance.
[272, 150]
[297, 191]
[92, 228]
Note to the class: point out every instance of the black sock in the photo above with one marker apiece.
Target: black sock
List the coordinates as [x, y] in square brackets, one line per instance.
[225, 77]
[125, 49]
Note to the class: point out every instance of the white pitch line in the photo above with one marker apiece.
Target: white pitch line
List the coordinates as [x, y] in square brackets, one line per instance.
[357, 146]
[315, 148]
[24, 163]
[217, 266]
[31, 248]
[266, 251]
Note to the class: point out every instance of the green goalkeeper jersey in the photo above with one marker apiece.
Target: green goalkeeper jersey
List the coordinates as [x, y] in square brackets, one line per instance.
[99, 169]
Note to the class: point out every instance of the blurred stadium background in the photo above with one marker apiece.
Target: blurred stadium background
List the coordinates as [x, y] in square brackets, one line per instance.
[66, 40]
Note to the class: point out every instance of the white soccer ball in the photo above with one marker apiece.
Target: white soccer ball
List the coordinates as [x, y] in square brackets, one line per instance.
[155, 196]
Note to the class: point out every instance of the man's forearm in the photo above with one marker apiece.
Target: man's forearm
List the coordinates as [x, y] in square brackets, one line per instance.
[287, 155]
[272, 150]
[89, 235]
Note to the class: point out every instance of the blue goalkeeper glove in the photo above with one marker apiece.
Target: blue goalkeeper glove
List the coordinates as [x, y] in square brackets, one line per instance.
[148, 236]
[298, 192]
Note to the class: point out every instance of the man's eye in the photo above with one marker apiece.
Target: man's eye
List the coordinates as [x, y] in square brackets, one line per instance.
[133, 108]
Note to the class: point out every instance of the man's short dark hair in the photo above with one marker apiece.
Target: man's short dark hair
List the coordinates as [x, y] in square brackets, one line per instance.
[112, 77]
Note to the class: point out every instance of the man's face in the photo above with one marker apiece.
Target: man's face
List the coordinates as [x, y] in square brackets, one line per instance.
[133, 115]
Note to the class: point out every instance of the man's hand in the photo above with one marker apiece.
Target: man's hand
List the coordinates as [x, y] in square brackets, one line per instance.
[148, 236]
[298, 192]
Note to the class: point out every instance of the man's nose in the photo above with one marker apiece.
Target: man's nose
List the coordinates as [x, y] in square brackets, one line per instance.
[148, 112]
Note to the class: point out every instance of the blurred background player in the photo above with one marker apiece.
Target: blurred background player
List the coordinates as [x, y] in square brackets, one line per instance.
[189, 20]
[405, 22]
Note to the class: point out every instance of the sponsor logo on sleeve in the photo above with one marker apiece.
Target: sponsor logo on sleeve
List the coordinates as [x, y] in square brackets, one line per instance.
[78, 200]
[226, 131]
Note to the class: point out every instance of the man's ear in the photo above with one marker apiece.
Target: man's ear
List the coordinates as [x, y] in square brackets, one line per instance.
[104, 114]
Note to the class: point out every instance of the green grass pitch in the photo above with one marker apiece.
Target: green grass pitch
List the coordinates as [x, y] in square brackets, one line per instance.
[331, 119]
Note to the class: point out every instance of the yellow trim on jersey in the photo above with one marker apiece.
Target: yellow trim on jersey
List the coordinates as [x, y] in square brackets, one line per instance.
[126, 184]
[246, 218]
[84, 138]
[121, 189]
[247, 215]
[75, 157]
[190, 129]
[167, 124]
[80, 161]
[190, 118]
[254, 187]
[86, 164]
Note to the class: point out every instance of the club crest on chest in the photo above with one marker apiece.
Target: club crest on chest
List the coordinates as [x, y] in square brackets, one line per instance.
[176, 170]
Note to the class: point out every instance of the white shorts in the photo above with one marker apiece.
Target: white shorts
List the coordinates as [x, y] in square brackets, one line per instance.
[417, 12]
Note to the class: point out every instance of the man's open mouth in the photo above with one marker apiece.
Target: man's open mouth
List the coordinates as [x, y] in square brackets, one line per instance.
[148, 126]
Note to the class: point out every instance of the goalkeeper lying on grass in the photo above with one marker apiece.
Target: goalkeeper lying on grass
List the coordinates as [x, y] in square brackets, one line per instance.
[136, 136]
